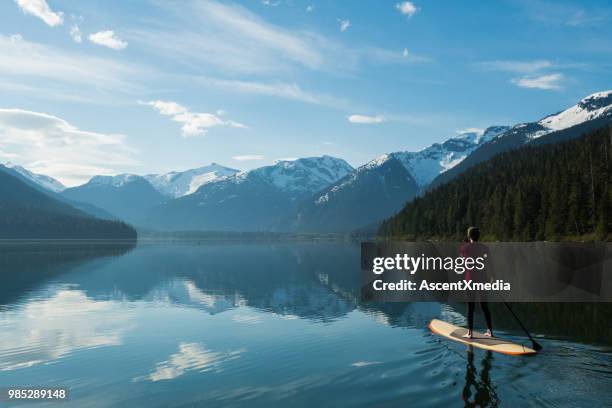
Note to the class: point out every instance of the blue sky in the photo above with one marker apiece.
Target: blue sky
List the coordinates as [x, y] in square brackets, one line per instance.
[98, 87]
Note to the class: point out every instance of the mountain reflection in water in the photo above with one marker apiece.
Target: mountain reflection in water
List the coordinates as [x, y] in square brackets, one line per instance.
[267, 325]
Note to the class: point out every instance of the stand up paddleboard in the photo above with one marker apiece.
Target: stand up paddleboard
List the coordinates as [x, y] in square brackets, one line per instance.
[479, 340]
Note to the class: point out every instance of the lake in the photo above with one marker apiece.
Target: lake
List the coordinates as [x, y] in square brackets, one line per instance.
[268, 325]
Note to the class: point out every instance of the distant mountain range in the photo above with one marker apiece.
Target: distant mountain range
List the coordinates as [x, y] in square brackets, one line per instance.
[27, 212]
[381, 187]
[317, 194]
[254, 200]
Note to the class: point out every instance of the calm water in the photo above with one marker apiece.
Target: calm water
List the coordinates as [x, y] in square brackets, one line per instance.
[264, 325]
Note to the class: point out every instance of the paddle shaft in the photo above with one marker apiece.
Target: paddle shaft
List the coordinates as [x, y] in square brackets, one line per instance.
[535, 344]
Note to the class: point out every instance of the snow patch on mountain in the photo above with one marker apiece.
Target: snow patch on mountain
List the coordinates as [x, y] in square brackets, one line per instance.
[428, 163]
[424, 165]
[592, 107]
[306, 175]
[180, 183]
[43, 181]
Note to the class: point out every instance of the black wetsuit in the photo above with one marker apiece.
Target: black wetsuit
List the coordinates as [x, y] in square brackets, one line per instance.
[476, 250]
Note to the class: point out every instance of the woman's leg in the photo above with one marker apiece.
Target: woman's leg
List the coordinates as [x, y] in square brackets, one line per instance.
[487, 313]
[470, 317]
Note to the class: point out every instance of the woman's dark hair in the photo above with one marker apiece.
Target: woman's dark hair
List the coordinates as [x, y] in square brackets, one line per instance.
[473, 233]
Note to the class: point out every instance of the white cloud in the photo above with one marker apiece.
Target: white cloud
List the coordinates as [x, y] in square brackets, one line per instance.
[75, 33]
[407, 8]
[248, 157]
[50, 145]
[190, 357]
[41, 9]
[231, 38]
[546, 82]
[344, 25]
[24, 58]
[108, 39]
[278, 89]
[405, 53]
[310, 8]
[521, 67]
[270, 3]
[194, 123]
[366, 120]
[225, 39]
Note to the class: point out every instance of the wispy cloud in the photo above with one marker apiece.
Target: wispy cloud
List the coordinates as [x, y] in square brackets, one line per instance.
[248, 157]
[366, 120]
[516, 66]
[22, 58]
[344, 25]
[270, 3]
[227, 40]
[50, 145]
[555, 13]
[41, 9]
[194, 123]
[546, 82]
[536, 73]
[228, 37]
[407, 8]
[75, 33]
[284, 90]
[108, 39]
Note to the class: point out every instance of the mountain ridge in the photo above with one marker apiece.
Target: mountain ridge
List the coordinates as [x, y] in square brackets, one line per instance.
[254, 200]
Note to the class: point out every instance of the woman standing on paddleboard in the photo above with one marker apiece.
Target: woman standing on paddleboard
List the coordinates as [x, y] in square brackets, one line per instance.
[473, 249]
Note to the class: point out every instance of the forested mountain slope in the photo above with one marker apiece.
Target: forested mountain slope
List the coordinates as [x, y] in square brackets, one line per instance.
[547, 192]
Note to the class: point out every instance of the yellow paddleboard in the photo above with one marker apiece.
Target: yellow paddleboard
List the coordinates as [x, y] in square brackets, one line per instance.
[478, 339]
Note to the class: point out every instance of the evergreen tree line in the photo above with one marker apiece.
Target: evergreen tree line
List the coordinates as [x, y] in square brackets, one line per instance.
[23, 222]
[550, 192]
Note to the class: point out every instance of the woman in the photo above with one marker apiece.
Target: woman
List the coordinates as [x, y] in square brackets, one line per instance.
[473, 249]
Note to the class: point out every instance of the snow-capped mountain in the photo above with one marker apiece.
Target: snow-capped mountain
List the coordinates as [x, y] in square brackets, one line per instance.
[365, 196]
[252, 200]
[179, 183]
[379, 188]
[307, 175]
[41, 180]
[597, 105]
[590, 113]
[427, 164]
[126, 196]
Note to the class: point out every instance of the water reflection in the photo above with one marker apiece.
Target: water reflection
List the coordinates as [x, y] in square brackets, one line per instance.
[478, 390]
[48, 329]
[190, 357]
[250, 324]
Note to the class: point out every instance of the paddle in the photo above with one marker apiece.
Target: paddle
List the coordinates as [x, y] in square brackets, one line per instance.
[535, 344]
